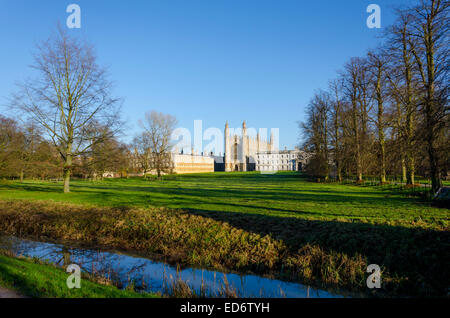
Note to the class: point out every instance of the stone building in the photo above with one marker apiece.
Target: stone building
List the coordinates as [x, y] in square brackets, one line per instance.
[241, 150]
[285, 160]
[180, 163]
[192, 163]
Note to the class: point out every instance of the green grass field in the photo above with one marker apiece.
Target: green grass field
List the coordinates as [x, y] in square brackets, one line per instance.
[279, 225]
[35, 279]
[280, 195]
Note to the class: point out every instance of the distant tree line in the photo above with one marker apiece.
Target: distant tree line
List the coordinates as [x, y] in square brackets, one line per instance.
[387, 112]
[24, 153]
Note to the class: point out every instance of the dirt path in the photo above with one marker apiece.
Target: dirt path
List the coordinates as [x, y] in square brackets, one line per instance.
[7, 293]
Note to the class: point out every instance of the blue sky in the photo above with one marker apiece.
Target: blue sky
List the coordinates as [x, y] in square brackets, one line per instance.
[213, 60]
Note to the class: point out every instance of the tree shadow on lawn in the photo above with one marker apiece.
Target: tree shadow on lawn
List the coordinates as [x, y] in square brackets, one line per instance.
[210, 199]
[179, 197]
[419, 254]
[33, 187]
[263, 194]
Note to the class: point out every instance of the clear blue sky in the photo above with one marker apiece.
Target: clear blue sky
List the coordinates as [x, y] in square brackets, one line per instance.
[213, 60]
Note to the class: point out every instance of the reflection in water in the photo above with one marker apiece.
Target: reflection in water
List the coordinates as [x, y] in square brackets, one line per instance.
[156, 276]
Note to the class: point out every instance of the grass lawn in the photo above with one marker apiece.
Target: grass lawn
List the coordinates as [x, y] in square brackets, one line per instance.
[35, 279]
[280, 225]
[280, 195]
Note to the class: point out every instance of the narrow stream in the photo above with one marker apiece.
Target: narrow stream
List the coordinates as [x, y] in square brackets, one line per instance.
[154, 276]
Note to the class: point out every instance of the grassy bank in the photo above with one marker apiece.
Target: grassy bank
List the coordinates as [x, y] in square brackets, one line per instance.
[35, 279]
[414, 260]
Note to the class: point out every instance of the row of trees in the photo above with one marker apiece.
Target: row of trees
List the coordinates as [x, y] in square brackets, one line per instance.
[24, 153]
[387, 112]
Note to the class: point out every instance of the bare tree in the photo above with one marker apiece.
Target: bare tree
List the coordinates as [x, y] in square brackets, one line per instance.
[377, 64]
[316, 134]
[402, 81]
[156, 140]
[70, 93]
[141, 154]
[352, 91]
[337, 122]
[429, 45]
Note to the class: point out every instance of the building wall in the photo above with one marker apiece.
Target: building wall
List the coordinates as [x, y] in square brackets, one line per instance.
[181, 163]
[240, 151]
[286, 160]
[192, 163]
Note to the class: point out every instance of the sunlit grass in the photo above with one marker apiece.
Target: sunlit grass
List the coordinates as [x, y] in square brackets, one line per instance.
[283, 194]
[35, 279]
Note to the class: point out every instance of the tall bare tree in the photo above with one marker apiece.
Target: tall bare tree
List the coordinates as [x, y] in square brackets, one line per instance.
[70, 93]
[156, 139]
[429, 44]
[141, 154]
[351, 87]
[337, 122]
[402, 80]
[316, 133]
[377, 65]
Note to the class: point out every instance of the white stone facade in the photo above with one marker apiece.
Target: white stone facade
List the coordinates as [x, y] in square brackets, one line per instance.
[286, 160]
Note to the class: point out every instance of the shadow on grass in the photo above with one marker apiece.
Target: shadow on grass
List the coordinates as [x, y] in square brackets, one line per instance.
[261, 199]
[418, 257]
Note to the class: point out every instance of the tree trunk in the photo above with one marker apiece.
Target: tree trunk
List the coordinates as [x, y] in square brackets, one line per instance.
[410, 168]
[67, 172]
[380, 125]
[358, 146]
[382, 160]
[403, 168]
[434, 172]
[21, 175]
[337, 155]
[430, 110]
[409, 118]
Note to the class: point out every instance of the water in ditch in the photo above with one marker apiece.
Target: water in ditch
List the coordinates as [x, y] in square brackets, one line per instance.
[155, 276]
